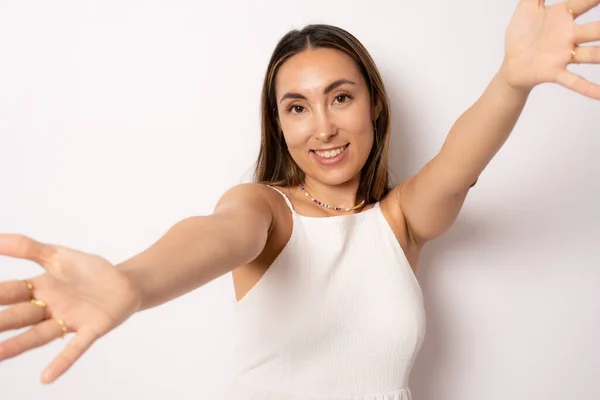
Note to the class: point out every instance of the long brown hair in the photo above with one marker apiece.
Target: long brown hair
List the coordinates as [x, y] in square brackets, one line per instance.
[275, 164]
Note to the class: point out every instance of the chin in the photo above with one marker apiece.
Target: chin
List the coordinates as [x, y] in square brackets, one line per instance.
[336, 178]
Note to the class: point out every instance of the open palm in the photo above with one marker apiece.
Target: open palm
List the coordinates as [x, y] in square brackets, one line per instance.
[81, 292]
[542, 41]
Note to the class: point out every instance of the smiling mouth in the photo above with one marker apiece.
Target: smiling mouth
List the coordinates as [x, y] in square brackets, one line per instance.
[331, 153]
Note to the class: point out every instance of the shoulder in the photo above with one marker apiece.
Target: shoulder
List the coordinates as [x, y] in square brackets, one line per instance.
[255, 203]
[254, 196]
[248, 191]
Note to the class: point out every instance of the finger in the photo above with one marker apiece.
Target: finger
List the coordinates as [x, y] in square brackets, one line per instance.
[12, 292]
[72, 352]
[21, 315]
[586, 55]
[578, 84]
[581, 6]
[539, 2]
[39, 335]
[20, 246]
[585, 33]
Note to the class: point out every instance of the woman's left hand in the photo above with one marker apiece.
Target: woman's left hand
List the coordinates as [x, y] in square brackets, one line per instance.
[542, 41]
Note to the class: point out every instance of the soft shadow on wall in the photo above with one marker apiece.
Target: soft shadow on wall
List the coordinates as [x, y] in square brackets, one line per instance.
[406, 144]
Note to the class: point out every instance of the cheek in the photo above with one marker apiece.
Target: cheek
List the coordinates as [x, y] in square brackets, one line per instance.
[356, 119]
[360, 128]
[363, 140]
[296, 133]
[364, 143]
[295, 140]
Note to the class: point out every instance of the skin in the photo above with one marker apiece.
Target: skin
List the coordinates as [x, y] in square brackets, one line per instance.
[311, 117]
[251, 223]
[321, 120]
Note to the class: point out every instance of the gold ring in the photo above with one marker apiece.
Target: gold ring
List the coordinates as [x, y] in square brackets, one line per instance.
[573, 55]
[571, 11]
[62, 325]
[38, 303]
[29, 286]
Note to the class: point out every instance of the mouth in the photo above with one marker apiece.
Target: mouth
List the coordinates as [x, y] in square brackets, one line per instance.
[331, 153]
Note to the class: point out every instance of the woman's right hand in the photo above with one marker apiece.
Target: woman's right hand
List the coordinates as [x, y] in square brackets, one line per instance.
[79, 292]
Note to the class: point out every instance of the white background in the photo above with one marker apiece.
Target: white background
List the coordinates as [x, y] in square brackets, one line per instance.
[119, 118]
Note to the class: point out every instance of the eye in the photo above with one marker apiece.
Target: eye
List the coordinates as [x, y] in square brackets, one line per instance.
[342, 98]
[295, 109]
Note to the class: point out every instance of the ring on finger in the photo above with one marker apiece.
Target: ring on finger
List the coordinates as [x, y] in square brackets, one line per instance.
[38, 303]
[570, 10]
[29, 286]
[63, 326]
[573, 53]
[42, 304]
[33, 300]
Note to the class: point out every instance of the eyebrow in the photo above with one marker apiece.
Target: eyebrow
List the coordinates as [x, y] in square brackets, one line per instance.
[327, 89]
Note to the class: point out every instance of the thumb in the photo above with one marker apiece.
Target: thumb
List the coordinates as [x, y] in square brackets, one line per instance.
[23, 247]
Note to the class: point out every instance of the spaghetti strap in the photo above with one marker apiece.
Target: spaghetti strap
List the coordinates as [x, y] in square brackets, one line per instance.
[287, 200]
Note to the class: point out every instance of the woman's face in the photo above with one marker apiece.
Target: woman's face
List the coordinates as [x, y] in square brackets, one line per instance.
[325, 113]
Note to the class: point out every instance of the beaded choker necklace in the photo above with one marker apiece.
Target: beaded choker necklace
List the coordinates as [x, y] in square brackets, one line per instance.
[356, 207]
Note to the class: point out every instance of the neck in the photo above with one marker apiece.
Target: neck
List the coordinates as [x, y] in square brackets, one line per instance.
[343, 195]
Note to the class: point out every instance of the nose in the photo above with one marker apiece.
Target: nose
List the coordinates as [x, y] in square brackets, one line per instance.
[325, 128]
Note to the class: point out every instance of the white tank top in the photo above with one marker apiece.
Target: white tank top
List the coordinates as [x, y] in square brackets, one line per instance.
[338, 315]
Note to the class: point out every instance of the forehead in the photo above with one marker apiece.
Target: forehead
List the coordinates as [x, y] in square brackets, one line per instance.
[314, 69]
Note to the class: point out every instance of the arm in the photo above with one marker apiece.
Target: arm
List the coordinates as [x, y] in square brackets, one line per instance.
[90, 297]
[541, 41]
[432, 199]
[199, 249]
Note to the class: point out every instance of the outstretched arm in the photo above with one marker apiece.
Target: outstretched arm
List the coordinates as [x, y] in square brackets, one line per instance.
[200, 249]
[432, 199]
[85, 294]
[540, 42]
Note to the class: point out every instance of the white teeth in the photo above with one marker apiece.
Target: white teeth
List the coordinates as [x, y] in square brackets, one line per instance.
[330, 154]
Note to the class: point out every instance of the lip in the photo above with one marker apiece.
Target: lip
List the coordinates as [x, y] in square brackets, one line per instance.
[333, 160]
[331, 148]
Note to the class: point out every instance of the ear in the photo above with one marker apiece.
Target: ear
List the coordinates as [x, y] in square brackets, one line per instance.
[376, 108]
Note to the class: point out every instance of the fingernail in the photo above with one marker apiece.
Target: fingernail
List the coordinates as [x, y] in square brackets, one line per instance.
[46, 377]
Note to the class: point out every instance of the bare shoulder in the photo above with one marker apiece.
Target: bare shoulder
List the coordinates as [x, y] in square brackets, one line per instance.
[255, 195]
[257, 199]
[280, 229]
[392, 211]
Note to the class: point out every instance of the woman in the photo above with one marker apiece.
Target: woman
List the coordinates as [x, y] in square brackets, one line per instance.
[323, 251]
